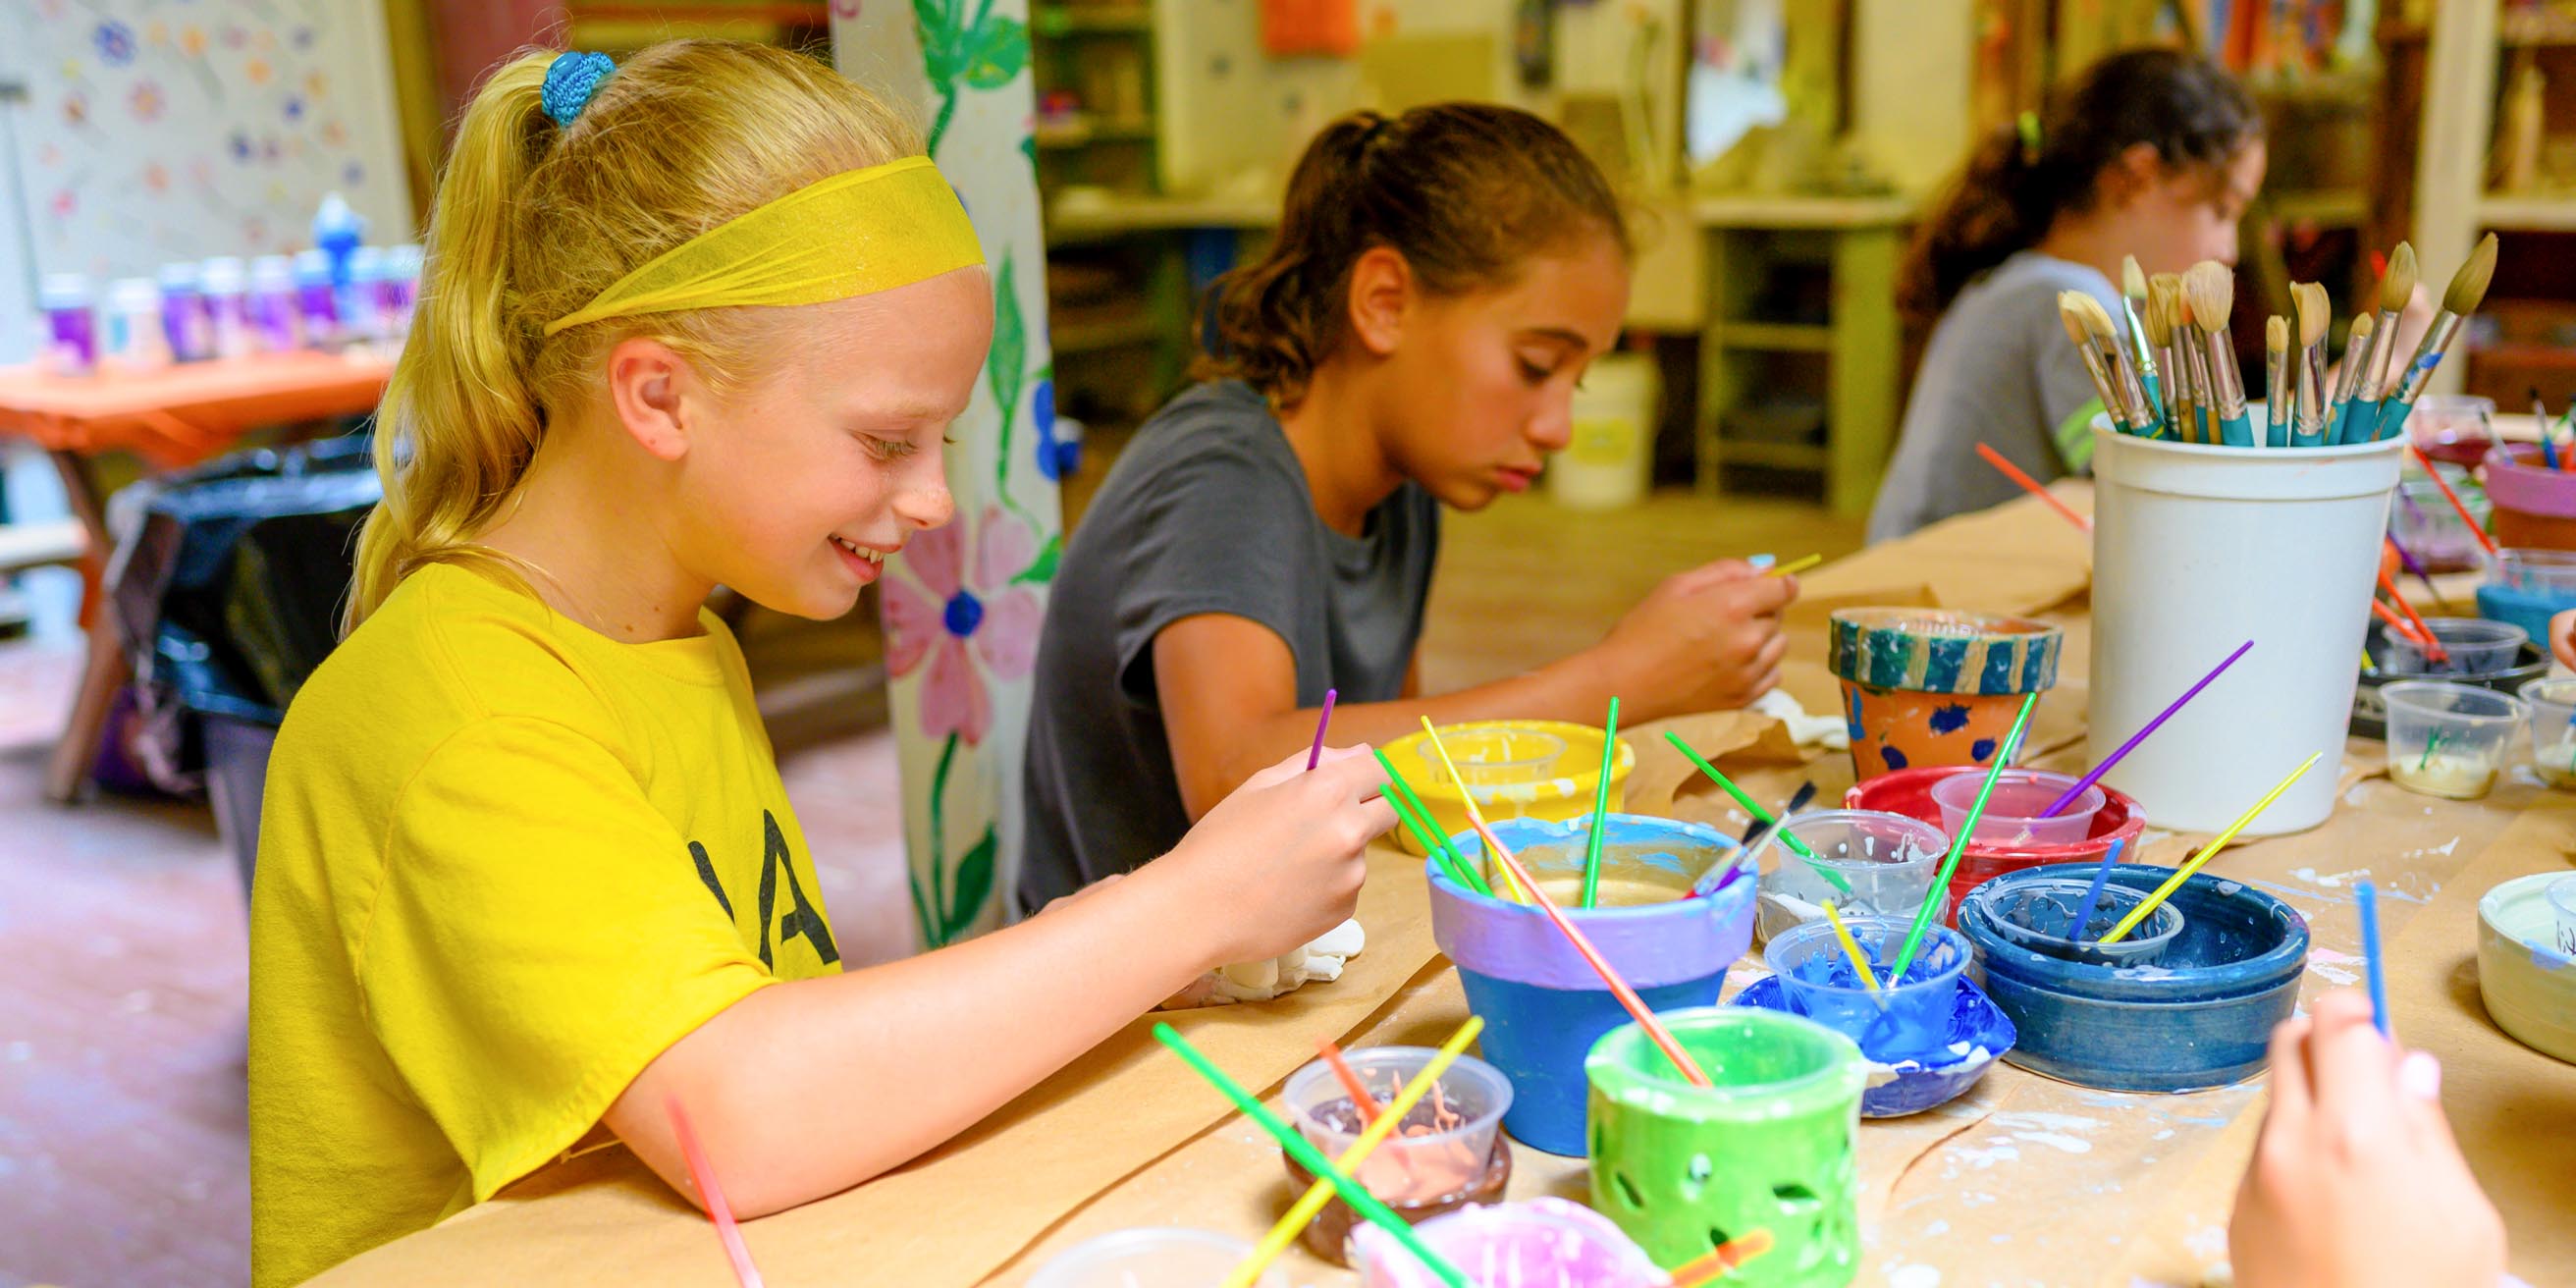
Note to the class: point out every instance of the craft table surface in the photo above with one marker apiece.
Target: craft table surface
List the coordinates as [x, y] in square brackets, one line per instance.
[2023, 1180]
[185, 411]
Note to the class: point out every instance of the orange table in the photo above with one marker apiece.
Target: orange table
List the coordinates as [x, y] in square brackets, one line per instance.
[172, 418]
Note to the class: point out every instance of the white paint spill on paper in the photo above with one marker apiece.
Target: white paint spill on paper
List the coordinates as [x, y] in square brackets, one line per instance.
[2056, 1140]
[1914, 1277]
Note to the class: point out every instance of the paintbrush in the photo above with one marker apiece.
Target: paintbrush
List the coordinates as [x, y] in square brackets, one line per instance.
[2194, 355]
[2211, 288]
[2540, 417]
[2344, 408]
[2161, 290]
[2468, 288]
[2078, 312]
[2278, 397]
[2133, 302]
[2309, 361]
[2396, 290]
[2133, 411]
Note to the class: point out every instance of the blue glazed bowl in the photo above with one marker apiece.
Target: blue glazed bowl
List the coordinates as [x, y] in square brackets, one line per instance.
[2201, 1017]
[1543, 1007]
[1979, 1034]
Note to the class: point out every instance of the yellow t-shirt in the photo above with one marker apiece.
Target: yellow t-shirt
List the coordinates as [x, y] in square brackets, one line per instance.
[504, 862]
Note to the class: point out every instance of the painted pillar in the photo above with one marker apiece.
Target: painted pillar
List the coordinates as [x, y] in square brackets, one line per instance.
[963, 603]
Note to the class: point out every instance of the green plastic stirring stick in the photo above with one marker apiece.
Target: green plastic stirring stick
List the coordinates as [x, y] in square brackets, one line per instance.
[1457, 861]
[1600, 809]
[1759, 814]
[1967, 828]
[1450, 863]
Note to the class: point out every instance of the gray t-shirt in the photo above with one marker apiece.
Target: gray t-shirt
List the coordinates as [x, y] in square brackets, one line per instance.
[1999, 369]
[1207, 511]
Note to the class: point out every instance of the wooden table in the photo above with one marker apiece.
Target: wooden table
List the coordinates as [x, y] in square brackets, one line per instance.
[2023, 1179]
[172, 418]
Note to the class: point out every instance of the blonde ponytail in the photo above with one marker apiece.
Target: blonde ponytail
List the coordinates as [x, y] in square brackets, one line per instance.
[531, 221]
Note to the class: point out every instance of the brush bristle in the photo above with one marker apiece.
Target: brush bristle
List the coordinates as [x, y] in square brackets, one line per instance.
[2397, 286]
[2133, 279]
[2469, 285]
[2066, 313]
[2276, 334]
[2160, 312]
[2089, 311]
[2211, 288]
[2315, 312]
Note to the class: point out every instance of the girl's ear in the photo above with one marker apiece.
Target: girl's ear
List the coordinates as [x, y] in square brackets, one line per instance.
[650, 386]
[2137, 169]
[1381, 293]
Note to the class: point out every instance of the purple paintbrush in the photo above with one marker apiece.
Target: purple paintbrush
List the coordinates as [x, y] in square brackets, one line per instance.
[2140, 736]
[2408, 559]
[1316, 756]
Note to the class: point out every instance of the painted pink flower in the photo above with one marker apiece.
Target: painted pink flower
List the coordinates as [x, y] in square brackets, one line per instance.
[938, 604]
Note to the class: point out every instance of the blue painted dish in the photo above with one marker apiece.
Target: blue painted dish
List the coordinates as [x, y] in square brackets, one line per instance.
[1979, 1034]
[2201, 1017]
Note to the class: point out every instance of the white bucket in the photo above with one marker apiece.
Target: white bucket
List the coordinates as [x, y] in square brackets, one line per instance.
[2197, 549]
[1608, 463]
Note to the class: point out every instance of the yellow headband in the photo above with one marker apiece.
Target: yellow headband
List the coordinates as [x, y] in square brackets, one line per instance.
[853, 234]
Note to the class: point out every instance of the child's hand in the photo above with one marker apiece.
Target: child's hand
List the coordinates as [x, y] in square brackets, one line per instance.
[2356, 1181]
[1280, 860]
[2562, 638]
[1705, 640]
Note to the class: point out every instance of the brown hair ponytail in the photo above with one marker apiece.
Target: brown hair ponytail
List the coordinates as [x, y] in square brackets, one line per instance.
[2189, 108]
[1464, 191]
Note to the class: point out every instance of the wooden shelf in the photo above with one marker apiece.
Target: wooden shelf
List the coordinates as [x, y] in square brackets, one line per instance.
[1774, 337]
[1110, 333]
[1092, 20]
[2513, 31]
[1083, 132]
[1783, 456]
[2551, 214]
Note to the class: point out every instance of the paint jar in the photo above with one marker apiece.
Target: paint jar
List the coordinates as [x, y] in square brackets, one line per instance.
[2430, 530]
[1543, 1243]
[1888, 860]
[185, 324]
[2528, 588]
[2553, 730]
[2040, 915]
[1908, 1019]
[2476, 648]
[1544, 1007]
[1926, 686]
[2448, 739]
[2200, 1017]
[317, 301]
[2197, 549]
[71, 329]
[1685, 1169]
[359, 304]
[2527, 963]
[1444, 1157]
[2535, 506]
[1150, 1258]
[2453, 428]
[1540, 769]
[225, 283]
[2370, 711]
[2562, 904]
[272, 309]
[2119, 822]
[2012, 812]
[132, 340]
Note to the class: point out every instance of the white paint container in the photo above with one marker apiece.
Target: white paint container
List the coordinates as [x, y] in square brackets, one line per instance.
[2527, 982]
[1610, 461]
[2197, 549]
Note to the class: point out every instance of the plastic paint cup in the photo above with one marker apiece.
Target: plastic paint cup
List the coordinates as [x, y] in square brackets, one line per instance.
[2424, 522]
[271, 306]
[1543, 1243]
[70, 327]
[2013, 812]
[1888, 859]
[2477, 647]
[1544, 1007]
[2037, 915]
[2448, 739]
[1770, 1146]
[1460, 1118]
[2553, 730]
[1906, 1020]
[317, 300]
[225, 284]
[1150, 1258]
[2543, 572]
[2454, 428]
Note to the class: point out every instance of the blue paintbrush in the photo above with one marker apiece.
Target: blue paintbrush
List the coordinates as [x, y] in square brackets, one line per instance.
[2093, 897]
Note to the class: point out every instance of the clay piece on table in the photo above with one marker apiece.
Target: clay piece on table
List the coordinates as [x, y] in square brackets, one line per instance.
[1318, 962]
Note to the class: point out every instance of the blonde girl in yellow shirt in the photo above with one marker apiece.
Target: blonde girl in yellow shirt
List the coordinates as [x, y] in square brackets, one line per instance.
[527, 874]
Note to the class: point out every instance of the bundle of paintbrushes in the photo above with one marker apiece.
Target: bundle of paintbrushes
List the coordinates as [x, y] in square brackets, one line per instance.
[2176, 376]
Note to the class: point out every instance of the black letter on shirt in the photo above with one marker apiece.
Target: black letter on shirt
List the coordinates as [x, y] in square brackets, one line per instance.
[803, 919]
[707, 873]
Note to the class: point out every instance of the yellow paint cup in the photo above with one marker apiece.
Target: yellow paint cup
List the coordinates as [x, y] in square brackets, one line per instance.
[1542, 769]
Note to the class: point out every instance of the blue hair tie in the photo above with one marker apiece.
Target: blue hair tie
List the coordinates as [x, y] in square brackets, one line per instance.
[570, 81]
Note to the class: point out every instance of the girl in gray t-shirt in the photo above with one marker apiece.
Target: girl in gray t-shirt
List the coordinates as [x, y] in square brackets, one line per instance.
[2151, 153]
[1440, 281]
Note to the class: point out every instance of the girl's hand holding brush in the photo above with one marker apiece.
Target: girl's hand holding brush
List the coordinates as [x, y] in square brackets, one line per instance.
[1705, 640]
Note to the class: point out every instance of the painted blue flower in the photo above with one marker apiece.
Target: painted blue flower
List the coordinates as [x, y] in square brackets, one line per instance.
[115, 43]
[294, 108]
[352, 174]
[303, 38]
[239, 145]
[1055, 458]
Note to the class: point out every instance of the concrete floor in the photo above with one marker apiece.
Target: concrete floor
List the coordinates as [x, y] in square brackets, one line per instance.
[122, 1154]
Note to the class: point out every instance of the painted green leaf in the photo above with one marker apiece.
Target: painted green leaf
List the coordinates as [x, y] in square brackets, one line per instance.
[974, 887]
[1041, 570]
[943, 52]
[1006, 364]
[1029, 149]
[996, 51]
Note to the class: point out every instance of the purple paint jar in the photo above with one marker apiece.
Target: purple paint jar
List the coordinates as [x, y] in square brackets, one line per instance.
[132, 339]
[185, 323]
[317, 302]
[72, 346]
[271, 308]
[225, 286]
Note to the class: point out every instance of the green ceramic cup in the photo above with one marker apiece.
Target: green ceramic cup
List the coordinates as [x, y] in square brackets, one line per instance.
[1770, 1146]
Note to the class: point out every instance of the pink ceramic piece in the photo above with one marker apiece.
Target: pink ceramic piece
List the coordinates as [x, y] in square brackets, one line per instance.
[1929, 686]
[1910, 793]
